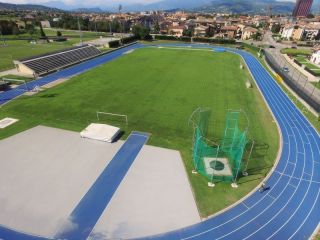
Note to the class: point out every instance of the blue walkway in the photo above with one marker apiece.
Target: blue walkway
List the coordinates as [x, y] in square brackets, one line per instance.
[88, 211]
[290, 210]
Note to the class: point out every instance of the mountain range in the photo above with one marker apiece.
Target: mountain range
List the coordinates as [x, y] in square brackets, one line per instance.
[234, 6]
[26, 7]
[247, 6]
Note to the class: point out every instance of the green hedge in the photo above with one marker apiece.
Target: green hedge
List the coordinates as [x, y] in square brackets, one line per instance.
[195, 39]
[295, 52]
[165, 37]
[126, 40]
[114, 44]
[216, 41]
[297, 62]
[131, 39]
[312, 72]
[252, 47]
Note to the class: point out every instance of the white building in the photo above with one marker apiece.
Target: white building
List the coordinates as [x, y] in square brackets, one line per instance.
[45, 24]
[287, 31]
[315, 58]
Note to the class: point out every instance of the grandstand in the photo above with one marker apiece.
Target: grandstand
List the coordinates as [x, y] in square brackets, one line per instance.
[43, 64]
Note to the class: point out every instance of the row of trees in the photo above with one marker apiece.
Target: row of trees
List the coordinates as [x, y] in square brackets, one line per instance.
[68, 21]
[11, 28]
[8, 27]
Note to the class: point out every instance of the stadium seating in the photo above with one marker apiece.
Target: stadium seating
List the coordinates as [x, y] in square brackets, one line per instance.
[51, 62]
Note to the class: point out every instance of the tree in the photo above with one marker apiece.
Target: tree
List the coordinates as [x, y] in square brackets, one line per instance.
[156, 27]
[211, 31]
[141, 32]
[15, 30]
[275, 28]
[42, 33]
[256, 36]
[31, 29]
[187, 32]
[310, 15]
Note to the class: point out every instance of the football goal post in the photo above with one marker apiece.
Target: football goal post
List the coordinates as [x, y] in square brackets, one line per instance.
[112, 116]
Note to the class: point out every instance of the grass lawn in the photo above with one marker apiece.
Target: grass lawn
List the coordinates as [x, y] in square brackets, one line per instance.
[159, 89]
[294, 52]
[317, 84]
[303, 60]
[86, 34]
[17, 49]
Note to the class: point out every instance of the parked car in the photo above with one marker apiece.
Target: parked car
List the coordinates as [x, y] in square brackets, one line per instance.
[285, 69]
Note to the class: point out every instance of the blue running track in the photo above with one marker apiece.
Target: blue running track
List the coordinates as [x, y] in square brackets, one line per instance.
[290, 209]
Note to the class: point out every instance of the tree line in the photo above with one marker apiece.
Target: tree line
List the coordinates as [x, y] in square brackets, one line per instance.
[67, 21]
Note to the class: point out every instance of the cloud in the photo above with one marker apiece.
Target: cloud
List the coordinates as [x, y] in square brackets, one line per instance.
[93, 2]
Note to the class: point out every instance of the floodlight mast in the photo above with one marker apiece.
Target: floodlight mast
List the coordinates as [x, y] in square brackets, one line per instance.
[121, 28]
[79, 27]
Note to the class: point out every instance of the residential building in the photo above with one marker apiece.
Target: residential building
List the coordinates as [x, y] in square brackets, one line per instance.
[302, 8]
[315, 58]
[45, 24]
[248, 33]
[176, 31]
[292, 31]
[228, 31]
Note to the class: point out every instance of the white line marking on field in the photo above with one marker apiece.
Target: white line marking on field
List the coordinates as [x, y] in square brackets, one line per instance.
[271, 196]
[292, 185]
[245, 205]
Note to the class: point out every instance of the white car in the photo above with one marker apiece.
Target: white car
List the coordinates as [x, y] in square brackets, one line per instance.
[285, 69]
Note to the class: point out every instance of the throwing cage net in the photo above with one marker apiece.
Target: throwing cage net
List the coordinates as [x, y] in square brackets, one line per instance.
[218, 161]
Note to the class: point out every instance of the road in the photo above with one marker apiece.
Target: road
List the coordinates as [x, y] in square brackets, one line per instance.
[291, 72]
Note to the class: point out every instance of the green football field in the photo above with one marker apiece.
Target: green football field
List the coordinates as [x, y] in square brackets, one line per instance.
[159, 89]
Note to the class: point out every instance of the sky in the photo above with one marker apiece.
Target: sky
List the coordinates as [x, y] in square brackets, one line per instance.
[67, 2]
[92, 3]
[104, 2]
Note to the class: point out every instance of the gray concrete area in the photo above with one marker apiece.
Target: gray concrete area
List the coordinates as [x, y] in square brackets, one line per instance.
[154, 197]
[44, 172]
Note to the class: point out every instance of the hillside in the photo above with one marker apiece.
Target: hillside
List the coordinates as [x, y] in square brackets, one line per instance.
[25, 7]
[247, 6]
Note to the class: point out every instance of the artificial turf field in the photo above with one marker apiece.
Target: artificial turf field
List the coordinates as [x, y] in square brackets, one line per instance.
[159, 89]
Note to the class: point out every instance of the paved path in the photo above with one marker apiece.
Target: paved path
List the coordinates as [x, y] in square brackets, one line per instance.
[290, 209]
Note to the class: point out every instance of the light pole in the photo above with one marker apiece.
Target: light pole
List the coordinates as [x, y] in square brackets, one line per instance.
[121, 30]
[79, 27]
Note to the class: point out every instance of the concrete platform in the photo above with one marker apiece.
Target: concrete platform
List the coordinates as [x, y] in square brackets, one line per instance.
[45, 172]
[154, 197]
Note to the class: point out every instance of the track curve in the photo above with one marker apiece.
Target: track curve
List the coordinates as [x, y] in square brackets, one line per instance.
[291, 209]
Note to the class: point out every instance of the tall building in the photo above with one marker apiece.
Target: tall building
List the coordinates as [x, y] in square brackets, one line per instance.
[302, 8]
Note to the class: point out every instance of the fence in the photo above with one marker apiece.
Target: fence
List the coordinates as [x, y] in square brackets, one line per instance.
[295, 80]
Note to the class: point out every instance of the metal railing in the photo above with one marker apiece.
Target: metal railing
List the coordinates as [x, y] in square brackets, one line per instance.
[295, 80]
